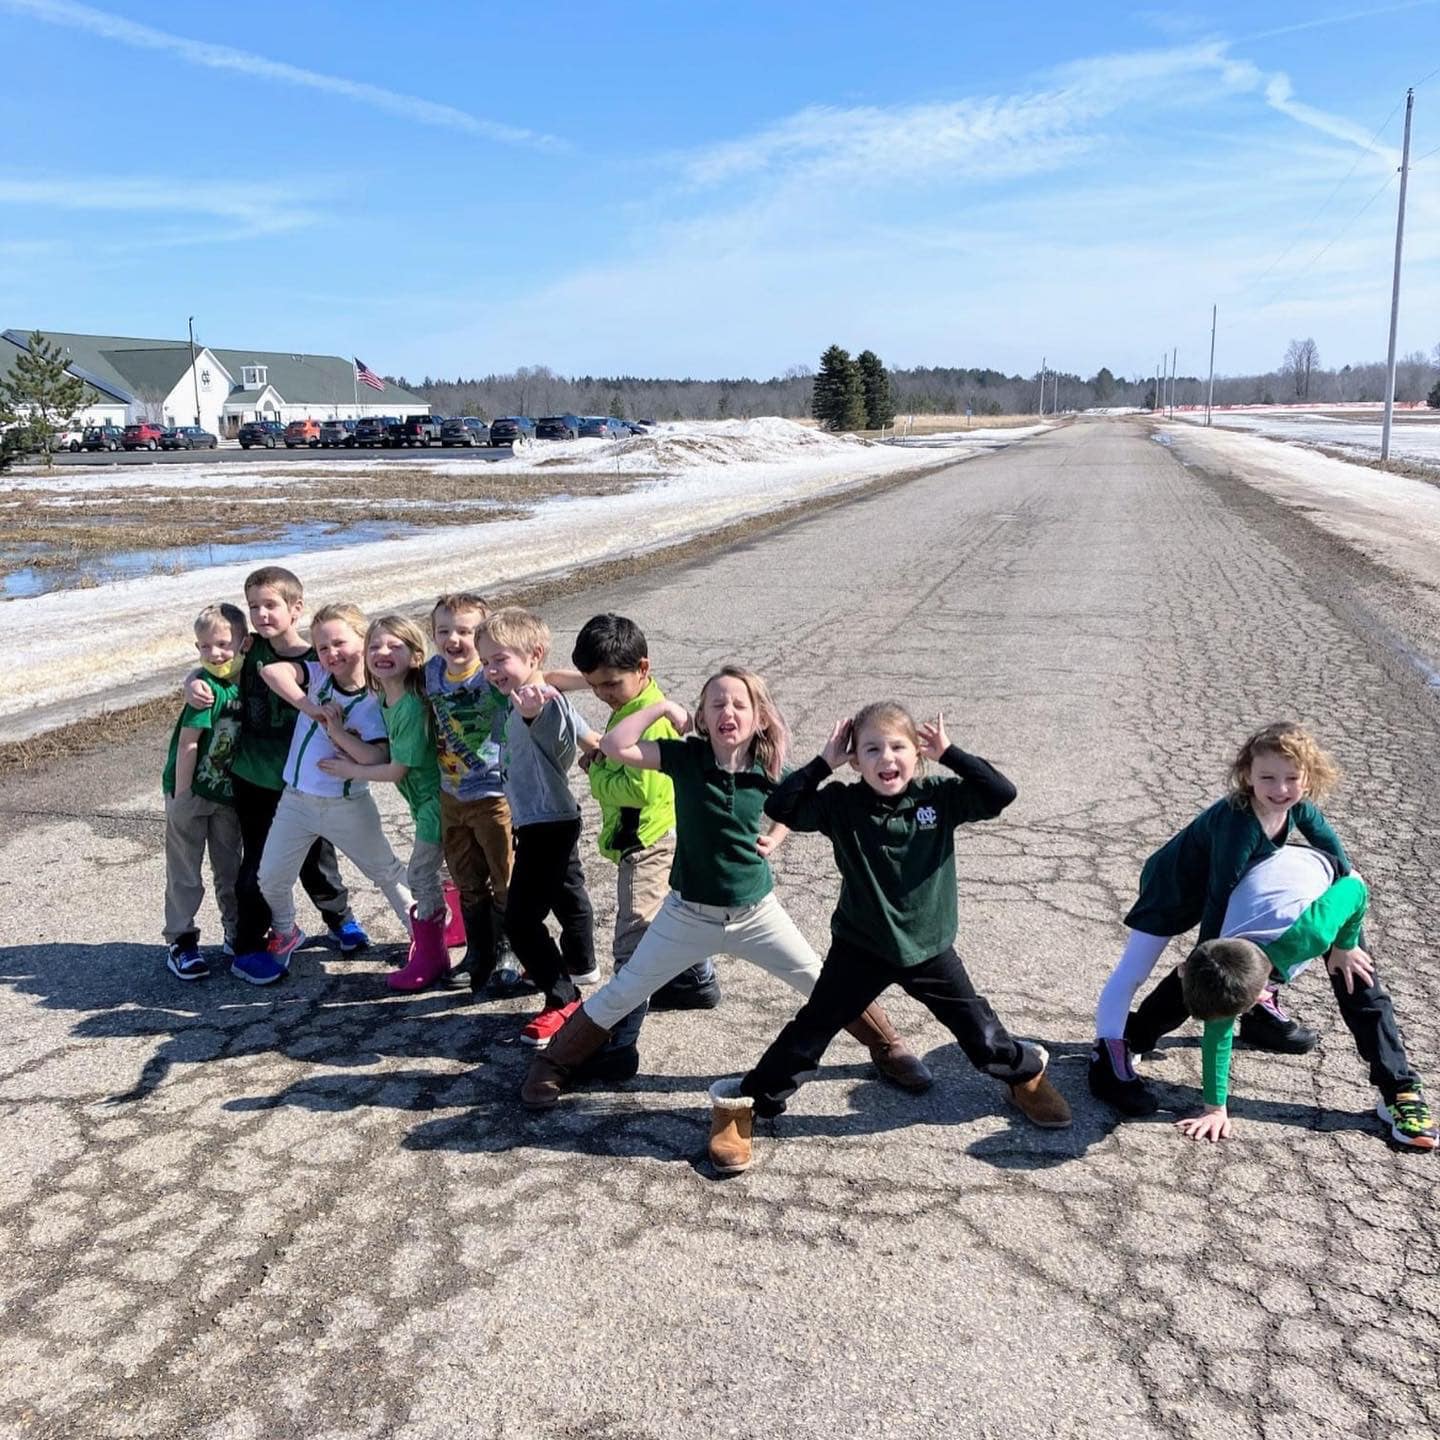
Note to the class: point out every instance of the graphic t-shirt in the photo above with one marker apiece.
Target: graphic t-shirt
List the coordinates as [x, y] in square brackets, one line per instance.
[219, 728]
[407, 722]
[469, 724]
[266, 721]
[309, 745]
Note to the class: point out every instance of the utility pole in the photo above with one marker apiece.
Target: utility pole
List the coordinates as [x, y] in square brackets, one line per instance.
[1173, 355]
[195, 379]
[1156, 406]
[1395, 287]
[1042, 386]
[1210, 393]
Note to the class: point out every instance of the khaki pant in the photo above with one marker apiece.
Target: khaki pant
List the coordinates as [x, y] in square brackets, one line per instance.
[192, 826]
[641, 885]
[351, 823]
[684, 933]
[422, 875]
[479, 849]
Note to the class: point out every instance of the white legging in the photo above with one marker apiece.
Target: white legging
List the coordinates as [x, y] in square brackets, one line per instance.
[1134, 967]
[683, 934]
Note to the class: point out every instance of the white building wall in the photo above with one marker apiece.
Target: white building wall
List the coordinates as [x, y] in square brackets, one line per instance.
[213, 382]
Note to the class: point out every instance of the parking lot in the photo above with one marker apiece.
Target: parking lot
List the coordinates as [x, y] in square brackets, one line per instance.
[230, 453]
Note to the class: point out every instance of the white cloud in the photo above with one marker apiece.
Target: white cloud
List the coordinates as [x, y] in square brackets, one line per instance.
[227, 57]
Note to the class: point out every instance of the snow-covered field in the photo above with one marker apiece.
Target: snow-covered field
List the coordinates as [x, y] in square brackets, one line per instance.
[1415, 435]
[69, 654]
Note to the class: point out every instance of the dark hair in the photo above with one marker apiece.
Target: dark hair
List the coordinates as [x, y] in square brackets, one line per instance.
[609, 642]
[1223, 978]
[275, 577]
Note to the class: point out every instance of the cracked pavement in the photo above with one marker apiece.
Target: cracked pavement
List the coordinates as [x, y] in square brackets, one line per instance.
[320, 1211]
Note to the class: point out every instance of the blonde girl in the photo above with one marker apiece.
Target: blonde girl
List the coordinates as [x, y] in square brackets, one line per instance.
[335, 704]
[722, 898]
[395, 653]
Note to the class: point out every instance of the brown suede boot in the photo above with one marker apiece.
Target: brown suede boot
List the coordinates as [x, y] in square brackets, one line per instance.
[893, 1058]
[1041, 1103]
[575, 1041]
[732, 1119]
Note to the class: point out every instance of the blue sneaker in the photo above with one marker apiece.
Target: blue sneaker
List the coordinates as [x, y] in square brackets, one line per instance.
[349, 936]
[185, 963]
[259, 967]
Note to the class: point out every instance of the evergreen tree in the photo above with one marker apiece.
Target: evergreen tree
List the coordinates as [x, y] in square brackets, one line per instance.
[617, 406]
[1433, 399]
[837, 397]
[879, 407]
[39, 397]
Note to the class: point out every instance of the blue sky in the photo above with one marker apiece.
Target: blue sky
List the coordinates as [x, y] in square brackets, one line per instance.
[672, 188]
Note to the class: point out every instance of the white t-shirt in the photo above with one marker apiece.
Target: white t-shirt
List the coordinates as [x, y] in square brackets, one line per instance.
[309, 745]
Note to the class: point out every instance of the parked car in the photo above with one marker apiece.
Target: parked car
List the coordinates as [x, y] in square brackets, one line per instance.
[638, 427]
[268, 433]
[335, 433]
[102, 437]
[414, 430]
[603, 427]
[464, 430]
[68, 439]
[188, 437]
[302, 432]
[144, 436]
[374, 430]
[512, 430]
[558, 427]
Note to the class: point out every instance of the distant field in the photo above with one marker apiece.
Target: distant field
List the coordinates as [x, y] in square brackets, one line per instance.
[939, 424]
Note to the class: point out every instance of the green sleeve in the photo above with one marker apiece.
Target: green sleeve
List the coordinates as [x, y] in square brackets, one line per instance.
[799, 802]
[623, 786]
[1334, 918]
[411, 744]
[1313, 825]
[193, 719]
[1216, 1042]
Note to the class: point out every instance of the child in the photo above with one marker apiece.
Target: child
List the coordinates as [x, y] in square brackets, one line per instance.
[1189, 880]
[394, 665]
[543, 734]
[721, 896]
[637, 819]
[894, 841]
[199, 799]
[331, 696]
[275, 599]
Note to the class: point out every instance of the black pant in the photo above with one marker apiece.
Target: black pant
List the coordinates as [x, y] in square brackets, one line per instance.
[1367, 1013]
[548, 880]
[255, 808]
[852, 979]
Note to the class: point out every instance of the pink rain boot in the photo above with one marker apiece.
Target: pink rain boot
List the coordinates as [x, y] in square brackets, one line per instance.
[455, 923]
[429, 959]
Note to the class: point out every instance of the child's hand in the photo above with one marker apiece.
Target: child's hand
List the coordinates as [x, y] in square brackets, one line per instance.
[344, 769]
[1212, 1123]
[678, 716]
[332, 717]
[246, 643]
[767, 845]
[837, 747]
[587, 758]
[1353, 965]
[934, 742]
[198, 694]
[530, 700]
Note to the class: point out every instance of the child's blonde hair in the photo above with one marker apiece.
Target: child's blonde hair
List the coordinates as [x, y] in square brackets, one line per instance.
[412, 637]
[772, 735]
[517, 630]
[880, 714]
[1318, 771]
[346, 613]
[457, 600]
[224, 613]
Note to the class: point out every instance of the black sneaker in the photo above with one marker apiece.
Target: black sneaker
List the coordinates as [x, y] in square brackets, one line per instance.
[1265, 1026]
[1113, 1080]
[1410, 1121]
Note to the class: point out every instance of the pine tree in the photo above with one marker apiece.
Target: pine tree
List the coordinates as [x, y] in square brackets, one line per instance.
[879, 407]
[837, 398]
[617, 405]
[39, 397]
[1433, 399]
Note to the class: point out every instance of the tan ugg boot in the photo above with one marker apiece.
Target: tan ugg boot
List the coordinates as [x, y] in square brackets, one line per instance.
[893, 1058]
[575, 1041]
[732, 1120]
[1041, 1103]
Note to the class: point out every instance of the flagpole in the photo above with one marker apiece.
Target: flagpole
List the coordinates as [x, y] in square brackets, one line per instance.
[355, 381]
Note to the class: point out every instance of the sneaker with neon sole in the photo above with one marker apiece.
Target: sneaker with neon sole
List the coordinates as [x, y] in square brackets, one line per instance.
[1410, 1121]
[541, 1030]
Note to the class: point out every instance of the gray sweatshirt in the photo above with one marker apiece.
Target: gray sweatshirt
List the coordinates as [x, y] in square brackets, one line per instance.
[535, 759]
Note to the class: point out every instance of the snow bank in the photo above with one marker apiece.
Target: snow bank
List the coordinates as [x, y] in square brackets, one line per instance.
[71, 653]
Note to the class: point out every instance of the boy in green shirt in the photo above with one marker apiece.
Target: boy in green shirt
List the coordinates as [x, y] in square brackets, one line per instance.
[199, 799]
[637, 827]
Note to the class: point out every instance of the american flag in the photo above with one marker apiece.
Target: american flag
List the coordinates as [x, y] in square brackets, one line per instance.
[366, 376]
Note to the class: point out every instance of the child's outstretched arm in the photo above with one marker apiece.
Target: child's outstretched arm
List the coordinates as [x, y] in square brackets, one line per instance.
[367, 754]
[985, 792]
[624, 742]
[347, 769]
[1213, 1121]
[796, 803]
[283, 678]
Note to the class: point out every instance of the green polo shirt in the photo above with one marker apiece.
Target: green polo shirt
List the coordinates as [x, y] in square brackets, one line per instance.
[412, 743]
[266, 721]
[717, 824]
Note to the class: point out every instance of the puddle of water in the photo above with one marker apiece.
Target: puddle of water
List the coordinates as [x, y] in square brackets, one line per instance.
[98, 568]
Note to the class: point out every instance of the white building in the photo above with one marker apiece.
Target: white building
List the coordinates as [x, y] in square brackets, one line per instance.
[219, 389]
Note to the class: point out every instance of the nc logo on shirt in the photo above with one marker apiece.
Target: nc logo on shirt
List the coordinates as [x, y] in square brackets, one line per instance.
[925, 817]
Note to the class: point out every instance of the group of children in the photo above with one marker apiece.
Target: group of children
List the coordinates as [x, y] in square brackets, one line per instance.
[269, 771]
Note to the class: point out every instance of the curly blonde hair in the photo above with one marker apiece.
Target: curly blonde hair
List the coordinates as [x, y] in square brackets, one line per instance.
[772, 735]
[1318, 771]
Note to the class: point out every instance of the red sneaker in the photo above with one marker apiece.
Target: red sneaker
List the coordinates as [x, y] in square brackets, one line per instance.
[541, 1030]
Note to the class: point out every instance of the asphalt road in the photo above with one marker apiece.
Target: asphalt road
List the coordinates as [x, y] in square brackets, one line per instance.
[228, 453]
[320, 1212]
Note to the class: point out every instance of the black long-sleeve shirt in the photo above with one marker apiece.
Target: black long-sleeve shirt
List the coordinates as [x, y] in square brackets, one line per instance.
[896, 854]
